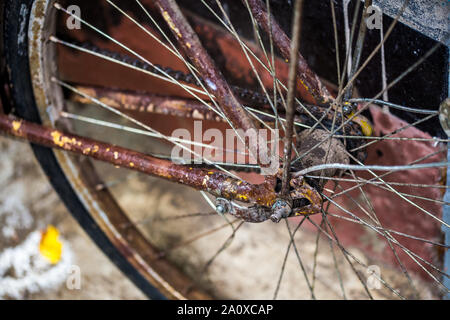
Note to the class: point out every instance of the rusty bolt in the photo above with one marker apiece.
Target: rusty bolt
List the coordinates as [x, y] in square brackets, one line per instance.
[347, 109]
[281, 209]
[222, 206]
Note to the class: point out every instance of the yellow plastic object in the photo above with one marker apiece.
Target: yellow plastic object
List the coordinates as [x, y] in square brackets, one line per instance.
[50, 246]
[365, 125]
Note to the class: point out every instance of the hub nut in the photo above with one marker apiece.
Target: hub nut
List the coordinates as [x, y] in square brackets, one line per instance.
[281, 209]
[222, 206]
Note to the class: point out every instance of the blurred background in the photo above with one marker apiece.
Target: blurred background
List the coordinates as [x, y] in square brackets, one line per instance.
[28, 205]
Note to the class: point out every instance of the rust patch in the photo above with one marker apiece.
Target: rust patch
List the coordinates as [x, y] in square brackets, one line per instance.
[216, 183]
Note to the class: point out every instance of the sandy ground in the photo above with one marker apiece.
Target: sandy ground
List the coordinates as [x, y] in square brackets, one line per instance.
[28, 203]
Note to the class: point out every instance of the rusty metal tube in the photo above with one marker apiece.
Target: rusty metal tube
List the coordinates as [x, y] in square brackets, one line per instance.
[151, 103]
[216, 183]
[307, 77]
[211, 75]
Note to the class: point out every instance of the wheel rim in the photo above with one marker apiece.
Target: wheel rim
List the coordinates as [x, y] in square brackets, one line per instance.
[83, 178]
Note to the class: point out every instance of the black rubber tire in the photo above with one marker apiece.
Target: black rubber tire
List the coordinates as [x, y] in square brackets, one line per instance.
[16, 17]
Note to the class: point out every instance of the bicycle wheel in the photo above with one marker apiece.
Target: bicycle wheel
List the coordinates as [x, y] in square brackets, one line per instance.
[123, 78]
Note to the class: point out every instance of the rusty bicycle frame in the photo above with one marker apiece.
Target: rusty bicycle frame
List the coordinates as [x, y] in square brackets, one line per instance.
[263, 196]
